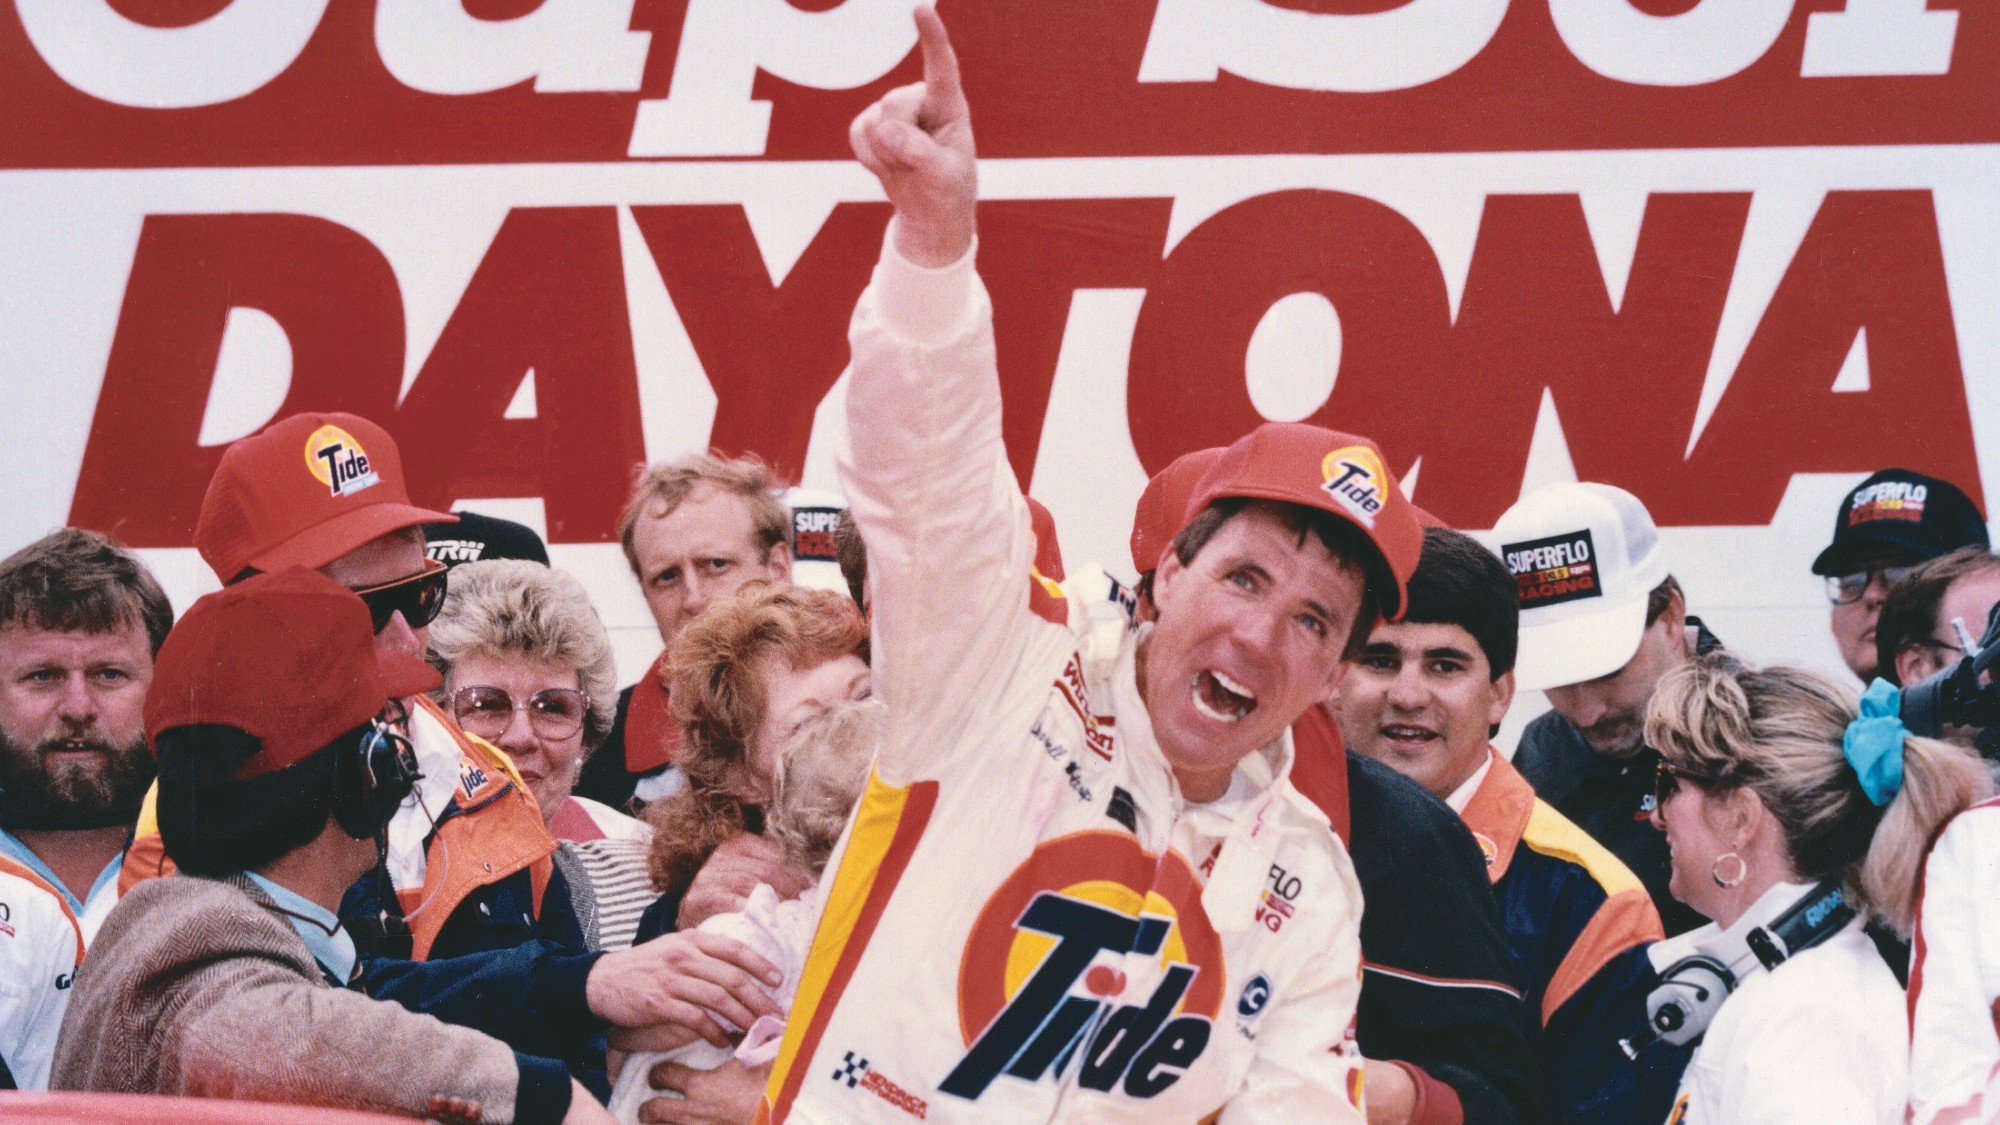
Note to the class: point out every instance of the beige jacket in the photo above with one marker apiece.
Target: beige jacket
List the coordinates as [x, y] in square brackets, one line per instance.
[198, 987]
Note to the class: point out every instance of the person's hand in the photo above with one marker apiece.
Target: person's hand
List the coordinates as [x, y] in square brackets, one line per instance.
[730, 873]
[696, 980]
[1392, 1095]
[727, 1095]
[661, 1037]
[918, 142]
[584, 1109]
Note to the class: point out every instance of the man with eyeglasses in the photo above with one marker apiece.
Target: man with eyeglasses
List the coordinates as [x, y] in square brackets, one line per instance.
[1919, 634]
[1888, 524]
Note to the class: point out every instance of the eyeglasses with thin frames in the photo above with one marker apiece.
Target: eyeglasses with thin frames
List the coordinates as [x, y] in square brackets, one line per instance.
[553, 713]
[1846, 589]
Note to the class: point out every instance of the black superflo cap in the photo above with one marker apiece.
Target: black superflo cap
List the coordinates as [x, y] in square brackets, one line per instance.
[1899, 512]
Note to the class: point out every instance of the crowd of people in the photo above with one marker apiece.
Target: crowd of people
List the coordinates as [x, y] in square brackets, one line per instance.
[372, 826]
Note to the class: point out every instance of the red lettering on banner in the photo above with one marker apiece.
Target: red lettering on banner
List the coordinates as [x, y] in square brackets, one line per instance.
[771, 351]
[1535, 315]
[144, 471]
[1871, 260]
[1186, 388]
[1034, 255]
[549, 296]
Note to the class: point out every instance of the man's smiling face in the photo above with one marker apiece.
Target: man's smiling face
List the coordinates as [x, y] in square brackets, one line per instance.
[1250, 634]
[1421, 699]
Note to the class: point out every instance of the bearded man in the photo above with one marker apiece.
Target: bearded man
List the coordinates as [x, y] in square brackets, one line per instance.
[80, 621]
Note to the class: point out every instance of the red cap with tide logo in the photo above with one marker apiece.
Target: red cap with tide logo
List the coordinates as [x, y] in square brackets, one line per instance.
[1296, 463]
[303, 492]
[288, 657]
[1163, 507]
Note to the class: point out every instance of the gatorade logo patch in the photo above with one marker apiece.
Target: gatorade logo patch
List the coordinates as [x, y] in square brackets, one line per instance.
[337, 461]
[1560, 568]
[1899, 500]
[812, 534]
[1355, 477]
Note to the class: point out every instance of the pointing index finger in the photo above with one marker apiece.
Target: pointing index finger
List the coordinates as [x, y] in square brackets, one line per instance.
[941, 87]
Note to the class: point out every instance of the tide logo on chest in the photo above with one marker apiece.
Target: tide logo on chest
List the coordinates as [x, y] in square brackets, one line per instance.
[1052, 983]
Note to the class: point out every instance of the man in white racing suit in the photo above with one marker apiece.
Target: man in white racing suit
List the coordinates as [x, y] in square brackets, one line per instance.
[1079, 886]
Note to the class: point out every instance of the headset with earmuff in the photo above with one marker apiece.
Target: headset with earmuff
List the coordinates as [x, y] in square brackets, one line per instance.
[371, 781]
[1692, 989]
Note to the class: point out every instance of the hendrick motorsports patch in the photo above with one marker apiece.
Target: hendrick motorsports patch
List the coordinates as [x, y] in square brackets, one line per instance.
[1560, 568]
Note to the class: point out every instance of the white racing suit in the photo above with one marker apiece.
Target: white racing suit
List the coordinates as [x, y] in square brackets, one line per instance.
[1955, 976]
[1026, 921]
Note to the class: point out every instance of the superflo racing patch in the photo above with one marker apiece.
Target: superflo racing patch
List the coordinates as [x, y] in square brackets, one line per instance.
[1560, 568]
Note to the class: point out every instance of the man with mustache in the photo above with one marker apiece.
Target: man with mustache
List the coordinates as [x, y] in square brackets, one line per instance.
[80, 621]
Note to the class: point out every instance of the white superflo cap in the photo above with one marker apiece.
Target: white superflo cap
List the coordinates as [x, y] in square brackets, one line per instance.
[1585, 557]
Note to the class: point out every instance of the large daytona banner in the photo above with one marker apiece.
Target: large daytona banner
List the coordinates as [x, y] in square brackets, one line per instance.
[1728, 254]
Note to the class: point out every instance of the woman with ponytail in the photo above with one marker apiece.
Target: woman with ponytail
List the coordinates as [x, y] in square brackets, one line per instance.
[1776, 788]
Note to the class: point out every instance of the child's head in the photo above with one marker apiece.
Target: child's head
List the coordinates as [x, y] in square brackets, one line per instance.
[821, 770]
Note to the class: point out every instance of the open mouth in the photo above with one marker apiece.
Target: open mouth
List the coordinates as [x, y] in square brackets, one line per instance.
[1221, 698]
[72, 746]
[1408, 735]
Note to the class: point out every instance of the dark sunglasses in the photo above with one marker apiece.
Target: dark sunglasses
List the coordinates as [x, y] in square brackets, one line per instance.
[418, 598]
[1667, 782]
[486, 711]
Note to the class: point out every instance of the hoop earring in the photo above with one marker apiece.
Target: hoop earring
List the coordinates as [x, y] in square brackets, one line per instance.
[1742, 870]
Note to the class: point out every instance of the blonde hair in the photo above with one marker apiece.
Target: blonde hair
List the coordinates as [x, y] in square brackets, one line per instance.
[821, 772]
[518, 608]
[660, 489]
[1778, 732]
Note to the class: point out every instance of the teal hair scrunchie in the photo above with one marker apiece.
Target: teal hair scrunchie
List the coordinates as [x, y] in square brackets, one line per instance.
[1874, 742]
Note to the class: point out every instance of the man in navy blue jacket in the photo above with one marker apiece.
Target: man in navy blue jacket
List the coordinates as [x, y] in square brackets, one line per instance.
[1424, 697]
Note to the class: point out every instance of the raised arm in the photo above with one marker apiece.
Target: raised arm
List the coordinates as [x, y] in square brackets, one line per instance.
[918, 142]
[926, 472]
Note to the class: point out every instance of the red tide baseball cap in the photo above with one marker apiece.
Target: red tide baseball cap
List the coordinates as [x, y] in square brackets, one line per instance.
[1163, 506]
[288, 657]
[1048, 552]
[303, 492]
[1296, 463]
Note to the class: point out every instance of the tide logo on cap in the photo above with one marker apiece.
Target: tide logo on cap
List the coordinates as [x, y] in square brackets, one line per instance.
[336, 460]
[1093, 958]
[1355, 477]
[1557, 569]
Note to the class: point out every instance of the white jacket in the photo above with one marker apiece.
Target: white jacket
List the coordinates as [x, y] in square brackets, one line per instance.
[1025, 921]
[41, 945]
[1819, 1039]
[1955, 976]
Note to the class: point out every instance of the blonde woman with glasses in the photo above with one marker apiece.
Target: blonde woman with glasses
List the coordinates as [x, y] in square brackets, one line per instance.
[528, 667]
